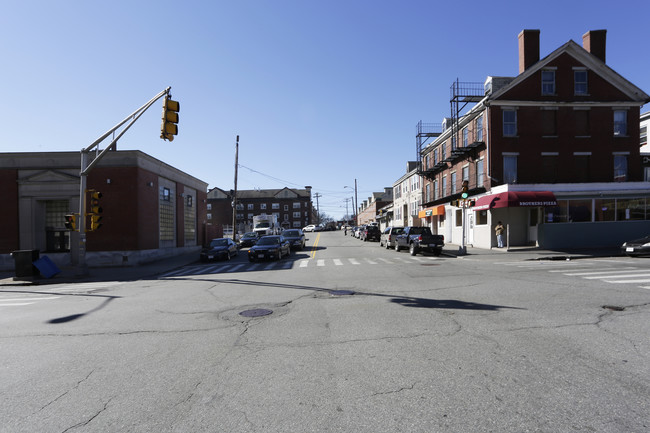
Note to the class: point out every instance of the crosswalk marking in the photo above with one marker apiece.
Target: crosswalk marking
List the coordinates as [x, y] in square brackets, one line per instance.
[289, 264]
[591, 270]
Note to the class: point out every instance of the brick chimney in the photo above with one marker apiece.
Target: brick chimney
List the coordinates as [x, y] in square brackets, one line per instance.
[594, 41]
[528, 49]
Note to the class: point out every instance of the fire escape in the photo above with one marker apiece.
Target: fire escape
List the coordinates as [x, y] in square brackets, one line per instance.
[461, 94]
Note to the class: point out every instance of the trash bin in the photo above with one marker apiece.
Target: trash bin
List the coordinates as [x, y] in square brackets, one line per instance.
[24, 263]
[47, 268]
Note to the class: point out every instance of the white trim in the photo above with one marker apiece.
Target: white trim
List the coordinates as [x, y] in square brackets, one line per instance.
[582, 153]
[550, 153]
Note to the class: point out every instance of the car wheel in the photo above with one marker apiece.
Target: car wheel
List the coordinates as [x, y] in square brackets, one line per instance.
[413, 250]
[396, 247]
[387, 245]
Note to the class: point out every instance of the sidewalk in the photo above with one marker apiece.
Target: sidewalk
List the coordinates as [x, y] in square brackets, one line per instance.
[531, 253]
[122, 273]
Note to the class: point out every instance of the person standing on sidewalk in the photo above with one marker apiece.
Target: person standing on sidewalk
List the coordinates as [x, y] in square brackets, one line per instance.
[499, 229]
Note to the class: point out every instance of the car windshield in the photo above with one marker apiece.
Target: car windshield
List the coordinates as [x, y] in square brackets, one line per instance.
[397, 230]
[219, 243]
[268, 241]
[250, 235]
[291, 233]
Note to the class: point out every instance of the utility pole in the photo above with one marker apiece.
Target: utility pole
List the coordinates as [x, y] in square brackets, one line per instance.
[234, 196]
[356, 200]
[347, 215]
[317, 195]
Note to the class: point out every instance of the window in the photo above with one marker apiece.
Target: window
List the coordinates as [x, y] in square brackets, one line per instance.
[466, 173]
[435, 156]
[465, 138]
[479, 173]
[509, 123]
[436, 191]
[630, 209]
[582, 123]
[443, 152]
[481, 217]
[209, 216]
[296, 205]
[427, 193]
[250, 206]
[459, 217]
[453, 142]
[275, 206]
[453, 182]
[548, 82]
[209, 206]
[262, 206]
[296, 214]
[620, 123]
[604, 209]
[580, 82]
[189, 201]
[510, 169]
[644, 135]
[579, 211]
[620, 168]
[479, 128]
[250, 216]
[165, 194]
[444, 186]
[426, 162]
[549, 123]
[286, 207]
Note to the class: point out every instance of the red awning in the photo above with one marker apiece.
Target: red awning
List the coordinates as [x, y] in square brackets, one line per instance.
[516, 199]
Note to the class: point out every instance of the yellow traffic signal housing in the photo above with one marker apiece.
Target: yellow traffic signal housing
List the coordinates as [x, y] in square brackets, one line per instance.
[71, 222]
[465, 191]
[169, 126]
[95, 222]
[95, 209]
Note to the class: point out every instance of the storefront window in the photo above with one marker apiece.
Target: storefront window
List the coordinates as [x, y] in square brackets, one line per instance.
[557, 214]
[481, 217]
[604, 209]
[579, 211]
[630, 209]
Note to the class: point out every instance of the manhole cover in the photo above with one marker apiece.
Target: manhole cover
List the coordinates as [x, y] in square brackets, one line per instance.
[257, 312]
[341, 292]
[614, 307]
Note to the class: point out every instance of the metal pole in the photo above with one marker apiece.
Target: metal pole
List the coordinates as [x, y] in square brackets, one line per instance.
[234, 196]
[356, 199]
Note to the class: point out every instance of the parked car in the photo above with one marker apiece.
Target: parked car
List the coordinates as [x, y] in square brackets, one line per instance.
[309, 228]
[370, 233]
[637, 247]
[387, 238]
[269, 247]
[248, 239]
[419, 239]
[295, 237]
[357, 231]
[221, 248]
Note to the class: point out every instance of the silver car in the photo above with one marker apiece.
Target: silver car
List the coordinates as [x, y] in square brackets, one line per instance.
[387, 238]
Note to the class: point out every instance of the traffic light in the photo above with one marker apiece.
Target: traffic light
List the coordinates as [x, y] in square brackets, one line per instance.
[465, 192]
[95, 210]
[454, 203]
[169, 126]
[71, 222]
[471, 203]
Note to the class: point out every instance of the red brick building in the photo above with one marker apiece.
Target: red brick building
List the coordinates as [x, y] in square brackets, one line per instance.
[556, 145]
[150, 209]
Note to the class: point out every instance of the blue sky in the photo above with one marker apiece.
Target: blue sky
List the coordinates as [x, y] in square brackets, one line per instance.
[320, 92]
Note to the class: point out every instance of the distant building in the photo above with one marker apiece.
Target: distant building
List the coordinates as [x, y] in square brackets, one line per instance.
[150, 209]
[293, 208]
[552, 152]
[407, 197]
[368, 211]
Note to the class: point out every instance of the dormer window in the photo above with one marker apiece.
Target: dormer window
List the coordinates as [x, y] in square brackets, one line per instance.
[580, 82]
[548, 82]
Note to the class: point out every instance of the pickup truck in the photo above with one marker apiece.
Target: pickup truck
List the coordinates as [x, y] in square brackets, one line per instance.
[419, 239]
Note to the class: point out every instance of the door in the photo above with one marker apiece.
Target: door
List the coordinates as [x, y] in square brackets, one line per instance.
[533, 223]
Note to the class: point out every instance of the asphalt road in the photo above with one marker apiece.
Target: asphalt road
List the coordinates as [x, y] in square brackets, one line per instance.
[357, 339]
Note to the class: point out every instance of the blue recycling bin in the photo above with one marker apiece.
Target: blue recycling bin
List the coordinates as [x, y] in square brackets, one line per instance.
[47, 267]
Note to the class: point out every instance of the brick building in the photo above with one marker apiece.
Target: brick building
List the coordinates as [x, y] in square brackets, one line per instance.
[150, 209]
[553, 152]
[293, 207]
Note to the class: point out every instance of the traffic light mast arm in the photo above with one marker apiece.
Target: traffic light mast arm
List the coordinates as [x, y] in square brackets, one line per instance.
[134, 116]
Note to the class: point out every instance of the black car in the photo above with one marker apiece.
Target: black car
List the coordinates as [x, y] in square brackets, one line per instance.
[637, 247]
[295, 237]
[248, 239]
[370, 233]
[269, 247]
[222, 248]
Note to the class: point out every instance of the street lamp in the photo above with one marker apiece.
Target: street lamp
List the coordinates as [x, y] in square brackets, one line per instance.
[356, 202]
